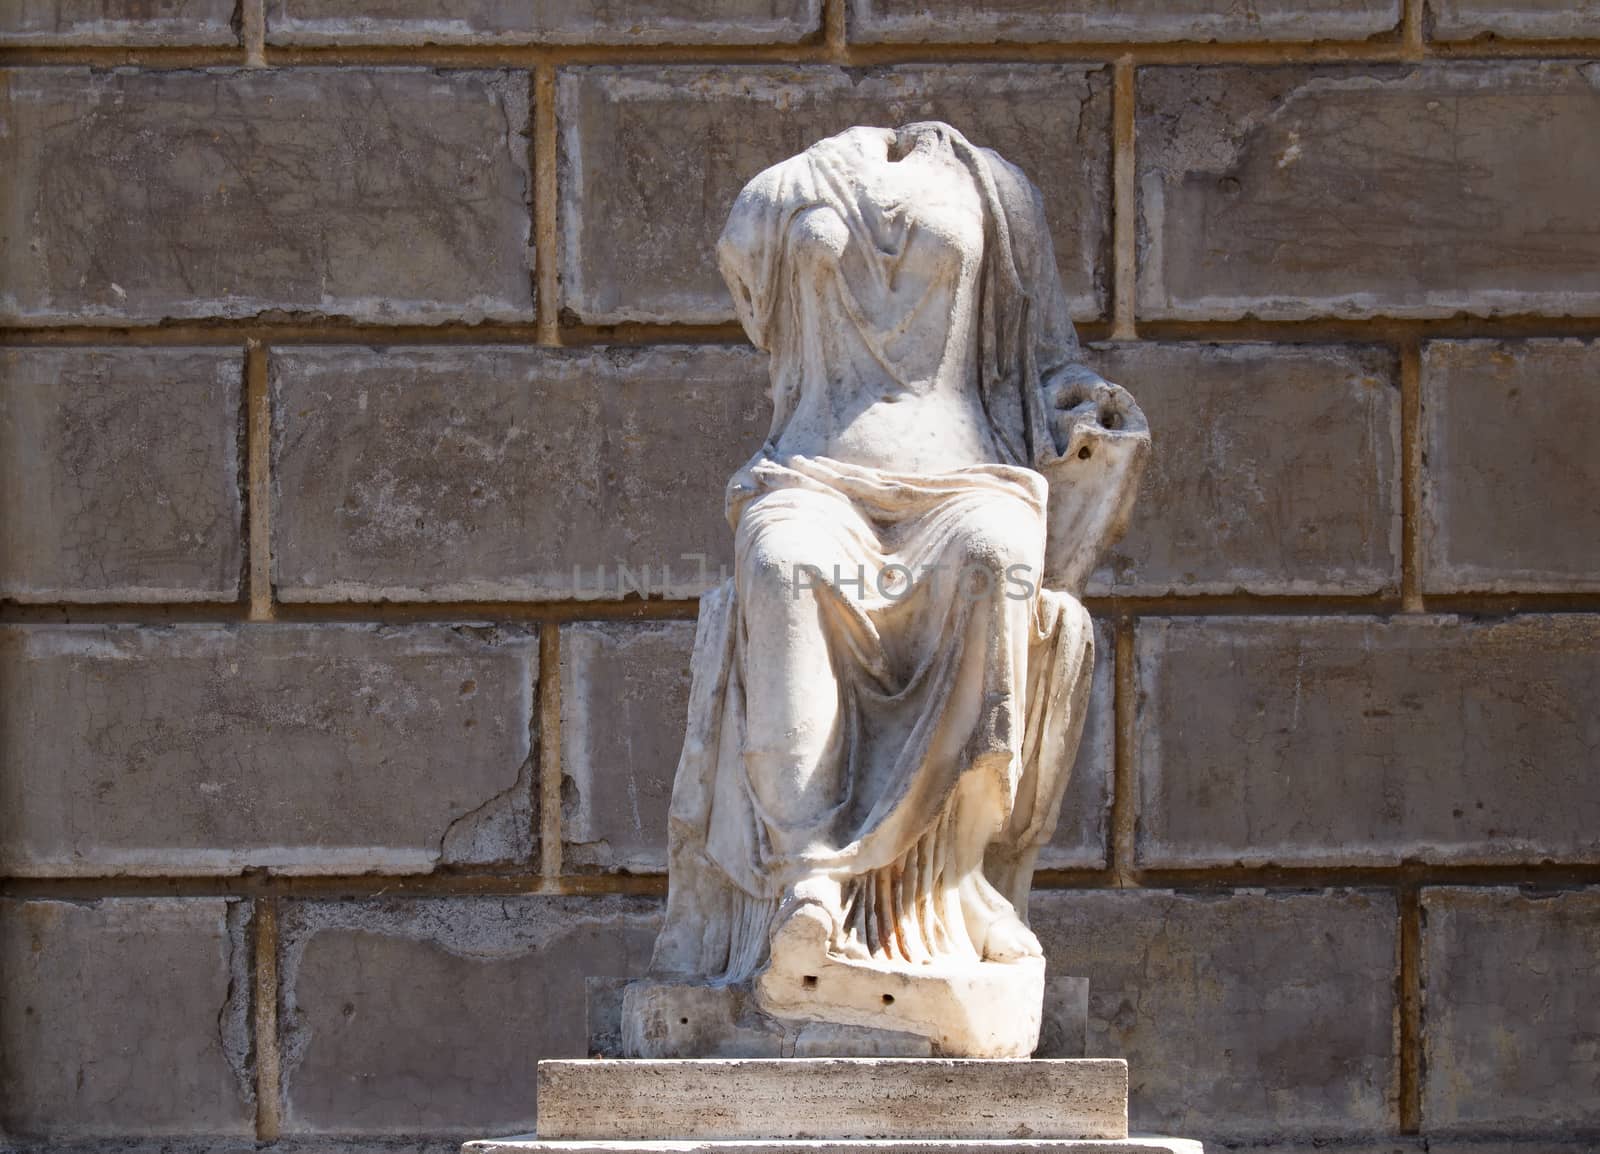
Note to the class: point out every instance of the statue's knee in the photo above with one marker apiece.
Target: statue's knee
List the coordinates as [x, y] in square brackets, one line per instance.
[1003, 550]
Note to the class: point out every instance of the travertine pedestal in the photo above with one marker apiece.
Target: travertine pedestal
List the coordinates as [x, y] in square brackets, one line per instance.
[834, 1106]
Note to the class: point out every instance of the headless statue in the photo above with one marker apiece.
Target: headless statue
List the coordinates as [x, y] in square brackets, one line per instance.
[889, 692]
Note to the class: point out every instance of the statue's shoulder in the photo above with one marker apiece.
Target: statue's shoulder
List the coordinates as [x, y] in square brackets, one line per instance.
[1013, 185]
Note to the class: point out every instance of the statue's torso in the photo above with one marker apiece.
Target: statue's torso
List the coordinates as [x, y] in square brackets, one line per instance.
[883, 284]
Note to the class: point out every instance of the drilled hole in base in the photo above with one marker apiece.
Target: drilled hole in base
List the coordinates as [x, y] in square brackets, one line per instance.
[888, 999]
[809, 981]
[683, 1021]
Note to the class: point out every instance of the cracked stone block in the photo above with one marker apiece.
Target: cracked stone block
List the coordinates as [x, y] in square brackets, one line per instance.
[1513, 19]
[433, 474]
[1510, 983]
[120, 471]
[125, 1018]
[1113, 21]
[83, 23]
[1508, 488]
[1360, 742]
[1242, 1014]
[1276, 470]
[312, 22]
[652, 158]
[211, 749]
[1420, 190]
[428, 1016]
[624, 700]
[387, 195]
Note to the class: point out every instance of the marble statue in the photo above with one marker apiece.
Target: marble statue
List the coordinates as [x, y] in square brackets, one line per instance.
[889, 692]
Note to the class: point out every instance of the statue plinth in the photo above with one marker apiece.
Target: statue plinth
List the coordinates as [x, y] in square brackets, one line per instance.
[842, 1008]
[834, 1106]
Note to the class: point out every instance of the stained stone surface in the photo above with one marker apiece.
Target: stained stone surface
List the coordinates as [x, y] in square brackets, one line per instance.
[1514, 19]
[501, 473]
[125, 1018]
[229, 193]
[121, 474]
[1368, 190]
[1511, 978]
[303, 749]
[1439, 739]
[1255, 1016]
[427, 1016]
[1511, 472]
[312, 22]
[117, 22]
[1277, 471]
[935, 21]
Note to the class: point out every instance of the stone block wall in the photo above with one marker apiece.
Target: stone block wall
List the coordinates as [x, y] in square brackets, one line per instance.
[363, 361]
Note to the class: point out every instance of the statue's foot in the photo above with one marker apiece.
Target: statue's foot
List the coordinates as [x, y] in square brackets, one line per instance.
[993, 924]
[808, 924]
[1009, 940]
[801, 932]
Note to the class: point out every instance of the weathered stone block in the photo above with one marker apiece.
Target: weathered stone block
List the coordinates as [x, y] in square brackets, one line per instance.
[1276, 470]
[120, 474]
[125, 1018]
[207, 749]
[1513, 19]
[1508, 497]
[518, 22]
[1350, 741]
[500, 473]
[1407, 190]
[428, 1016]
[383, 194]
[1112, 21]
[90, 22]
[624, 700]
[1510, 983]
[1245, 1014]
[652, 158]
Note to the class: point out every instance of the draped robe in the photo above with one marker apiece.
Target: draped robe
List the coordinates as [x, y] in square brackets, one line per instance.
[936, 684]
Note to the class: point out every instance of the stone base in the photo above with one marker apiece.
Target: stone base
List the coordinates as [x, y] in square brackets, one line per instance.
[832, 1098]
[834, 1106]
[529, 1144]
[988, 1009]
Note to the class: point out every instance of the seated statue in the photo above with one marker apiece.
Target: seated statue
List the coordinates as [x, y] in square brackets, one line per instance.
[887, 698]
